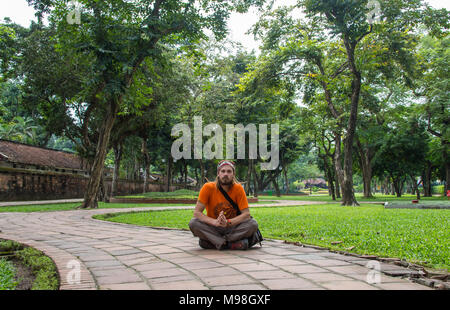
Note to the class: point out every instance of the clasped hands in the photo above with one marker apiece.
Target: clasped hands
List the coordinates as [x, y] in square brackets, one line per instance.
[221, 220]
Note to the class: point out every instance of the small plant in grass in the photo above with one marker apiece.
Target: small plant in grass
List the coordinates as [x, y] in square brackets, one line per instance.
[7, 275]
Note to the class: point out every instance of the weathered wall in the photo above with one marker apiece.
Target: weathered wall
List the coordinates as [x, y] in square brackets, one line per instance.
[22, 185]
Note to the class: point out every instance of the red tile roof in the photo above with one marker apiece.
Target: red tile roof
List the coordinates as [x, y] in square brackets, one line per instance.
[16, 152]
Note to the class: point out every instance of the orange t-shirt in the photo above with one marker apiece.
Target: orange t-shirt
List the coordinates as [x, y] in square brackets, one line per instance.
[215, 202]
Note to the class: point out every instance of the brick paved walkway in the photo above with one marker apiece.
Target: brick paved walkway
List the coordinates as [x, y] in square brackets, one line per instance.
[120, 256]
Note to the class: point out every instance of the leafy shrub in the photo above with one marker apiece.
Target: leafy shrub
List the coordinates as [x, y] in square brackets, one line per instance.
[42, 267]
[7, 273]
[9, 246]
[437, 189]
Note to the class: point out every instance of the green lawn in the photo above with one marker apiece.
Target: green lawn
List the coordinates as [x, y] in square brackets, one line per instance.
[73, 206]
[359, 198]
[7, 274]
[178, 194]
[101, 205]
[420, 236]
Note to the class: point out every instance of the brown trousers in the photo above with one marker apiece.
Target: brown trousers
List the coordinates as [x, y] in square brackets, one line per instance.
[218, 236]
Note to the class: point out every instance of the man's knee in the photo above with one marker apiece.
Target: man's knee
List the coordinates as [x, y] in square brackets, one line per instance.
[194, 224]
[253, 225]
[249, 226]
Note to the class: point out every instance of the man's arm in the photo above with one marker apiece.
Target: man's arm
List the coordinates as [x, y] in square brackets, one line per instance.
[242, 202]
[245, 215]
[198, 213]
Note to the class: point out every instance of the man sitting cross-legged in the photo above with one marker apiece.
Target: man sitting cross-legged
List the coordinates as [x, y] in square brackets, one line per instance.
[221, 227]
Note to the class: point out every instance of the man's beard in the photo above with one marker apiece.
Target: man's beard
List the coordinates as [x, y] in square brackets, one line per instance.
[228, 182]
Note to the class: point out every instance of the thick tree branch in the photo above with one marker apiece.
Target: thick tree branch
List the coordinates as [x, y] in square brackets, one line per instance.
[364, 34]
[328, 97]
[341, 69]
[429, 129]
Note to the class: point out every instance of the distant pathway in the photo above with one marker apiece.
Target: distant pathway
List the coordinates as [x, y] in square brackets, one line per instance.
[121, 256]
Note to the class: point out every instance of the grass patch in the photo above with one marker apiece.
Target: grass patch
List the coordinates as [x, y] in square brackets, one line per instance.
[419, 236]
[359, 198]
[179, 194]
[74, 205]
[7, 275]
[42, 267]
[101, 205]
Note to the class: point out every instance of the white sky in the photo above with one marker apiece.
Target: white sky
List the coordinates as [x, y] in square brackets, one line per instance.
[21, 13]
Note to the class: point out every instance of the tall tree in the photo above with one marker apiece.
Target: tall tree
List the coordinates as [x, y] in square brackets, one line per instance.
[335, 50]
[434, 86]
[402, 152]
[117, 37]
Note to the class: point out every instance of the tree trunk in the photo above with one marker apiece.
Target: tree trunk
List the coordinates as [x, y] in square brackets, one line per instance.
[388, 186]
[255, 180]
[338, 165]
[286, 181]
[259, 179]
[117, 159]
[271, 176]
[196, 179]
[136, 169]
[331, 183]
[447, 168]
[102, 192]
[90, 196]
[348, 195]
[144, 186]
[397, 189]
[249, 175]
[367, 180]
[412, 189]
[366, 168]
[169, 173]
[275, 185]
[426, 178]
[185, 173]
[447, 178]
[329, 176]
[146, 157]
[337, 188]
[397, 183]
[202, 173]
[261, 183]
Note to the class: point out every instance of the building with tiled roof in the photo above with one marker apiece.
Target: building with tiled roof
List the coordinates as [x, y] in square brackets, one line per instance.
[30, 172]
[23, 156]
